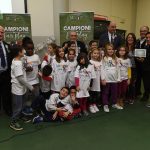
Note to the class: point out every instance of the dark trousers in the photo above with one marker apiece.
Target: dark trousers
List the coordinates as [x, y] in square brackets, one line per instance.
[46, 95]
[5, 93]
[38, 105]
[122, 89]
[94, 97]
[131, 88]
[110, 89]
[146, 82]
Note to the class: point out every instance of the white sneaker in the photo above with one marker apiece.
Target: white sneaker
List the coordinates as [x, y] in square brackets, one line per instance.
[106, 108]
[117, 107]
[91, 109]
[96, 108]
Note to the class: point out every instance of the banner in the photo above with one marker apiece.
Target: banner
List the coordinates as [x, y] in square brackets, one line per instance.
[81, 22]
[16, 26]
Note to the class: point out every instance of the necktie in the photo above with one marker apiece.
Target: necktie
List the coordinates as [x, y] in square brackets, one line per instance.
[2, 57]
[112, 39]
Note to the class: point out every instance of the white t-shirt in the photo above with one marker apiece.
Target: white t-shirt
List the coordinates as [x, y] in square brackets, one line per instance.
[48, 61]
[33, 61]
[17, 70]
[85, 75]
[71, 72]
[59, 75]
[45, 85]
[110, 70]
[51, 103]
[96, 81]
[124, 65]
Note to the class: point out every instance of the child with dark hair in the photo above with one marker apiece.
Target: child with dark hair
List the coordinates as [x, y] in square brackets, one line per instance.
[83, 79]
[32, 64]
[72, 64]
[45, 81]
[125, 74]
[19, 86]
[57, 107]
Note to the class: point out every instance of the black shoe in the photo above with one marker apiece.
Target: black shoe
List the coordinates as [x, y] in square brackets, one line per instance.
[15, 126]
[26, 119]
[144, 98]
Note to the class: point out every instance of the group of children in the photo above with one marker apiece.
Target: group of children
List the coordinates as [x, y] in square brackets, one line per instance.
[66, 84]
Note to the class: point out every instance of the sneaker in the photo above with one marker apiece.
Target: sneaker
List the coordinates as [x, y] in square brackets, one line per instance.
[106, 108]
[15, 126]
[85, 113]
[117, 106]
[28, 111]
[92, 109]
[37, 119]
[131, 101]
[144, 98]
[96, 108]
[148, 103]
[26, 119]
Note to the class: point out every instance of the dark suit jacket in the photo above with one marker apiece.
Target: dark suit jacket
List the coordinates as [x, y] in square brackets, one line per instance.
[137, 62]
[8, 55]
[104, 39]
[80, 45]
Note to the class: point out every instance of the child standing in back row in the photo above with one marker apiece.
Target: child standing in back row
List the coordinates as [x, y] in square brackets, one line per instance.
[72, 64]
[110, 76]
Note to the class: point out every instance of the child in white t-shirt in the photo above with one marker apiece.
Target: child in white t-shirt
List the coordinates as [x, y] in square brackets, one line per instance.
[125, 74]
[32, 63]
[110, 76]
[72, 64]
[59, 73]
[83, 79]
[95, 89]
[19, 86]
[45, 81]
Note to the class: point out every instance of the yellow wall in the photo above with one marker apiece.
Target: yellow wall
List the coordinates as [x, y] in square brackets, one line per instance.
[120, 11]
[143, 14]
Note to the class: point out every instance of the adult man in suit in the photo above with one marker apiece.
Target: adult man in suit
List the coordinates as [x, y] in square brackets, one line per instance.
[5, 79]
[80, 46]
[140, 44]
[111, 37]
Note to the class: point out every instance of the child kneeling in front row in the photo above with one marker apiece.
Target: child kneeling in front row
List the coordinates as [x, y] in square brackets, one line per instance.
[53, 108]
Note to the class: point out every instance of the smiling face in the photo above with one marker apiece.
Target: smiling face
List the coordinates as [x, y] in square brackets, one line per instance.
[143, 31]
[71, 55]
[95, 54]
[64, 92]
[122, 52]
[110, 51]
[130, 39]
[29, 49]
[61, 53]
